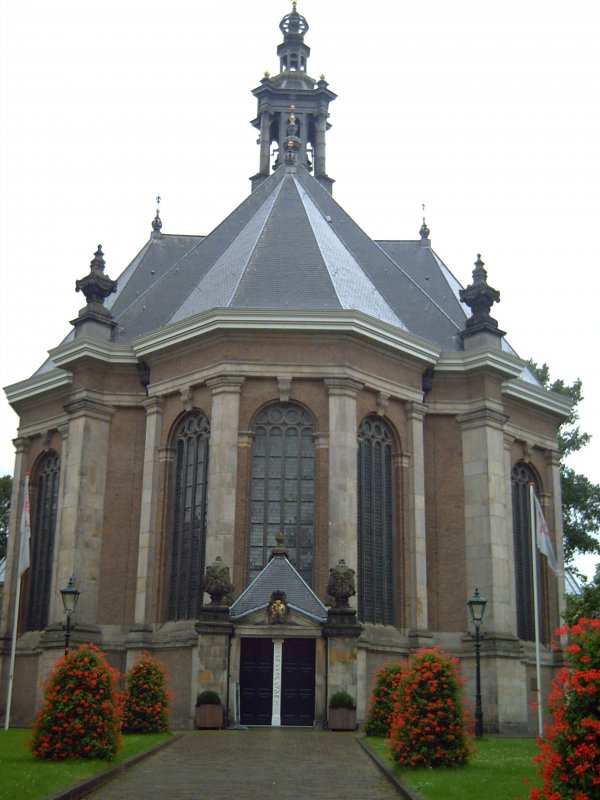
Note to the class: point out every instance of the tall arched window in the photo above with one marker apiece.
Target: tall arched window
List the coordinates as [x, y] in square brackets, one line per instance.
[186, 566]
[375, 523]
[43, 528]
[521, 477]
[282, 494]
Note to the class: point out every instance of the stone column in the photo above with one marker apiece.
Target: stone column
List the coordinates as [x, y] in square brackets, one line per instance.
[80, 540]
[320, 163]
[415, 413]
[145, 588]
[13, 542]
[265, 143]
[222, 468]
[277, 665]
[342, 470]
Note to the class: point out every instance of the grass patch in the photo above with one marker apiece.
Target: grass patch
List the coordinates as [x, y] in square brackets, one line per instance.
[498, 770]
[23, 777]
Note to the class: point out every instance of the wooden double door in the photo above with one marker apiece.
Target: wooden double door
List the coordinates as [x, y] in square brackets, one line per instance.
[269, 683]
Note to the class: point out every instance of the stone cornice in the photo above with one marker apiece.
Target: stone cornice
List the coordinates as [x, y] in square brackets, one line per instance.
[298, 321]
[68, 354]
[537, 396]
[37, 384]
[481, 359]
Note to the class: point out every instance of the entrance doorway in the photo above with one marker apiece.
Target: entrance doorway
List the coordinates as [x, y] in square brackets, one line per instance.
[296, 682]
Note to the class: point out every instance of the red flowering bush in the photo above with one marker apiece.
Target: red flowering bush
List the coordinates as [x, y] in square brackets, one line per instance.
[429, 725]
[569, 758]
[383, 699]
[147, 697]
[80, 716]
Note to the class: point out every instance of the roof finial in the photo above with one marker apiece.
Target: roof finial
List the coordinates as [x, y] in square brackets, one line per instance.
[480, 297]
[157, 222]
[424, 230]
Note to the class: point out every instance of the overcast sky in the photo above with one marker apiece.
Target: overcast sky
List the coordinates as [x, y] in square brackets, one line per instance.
[486, 112]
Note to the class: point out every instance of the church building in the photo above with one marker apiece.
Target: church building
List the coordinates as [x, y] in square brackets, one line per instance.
[283, 454]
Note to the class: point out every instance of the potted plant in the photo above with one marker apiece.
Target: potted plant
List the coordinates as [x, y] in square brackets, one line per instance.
[342, 712]
[209, 710]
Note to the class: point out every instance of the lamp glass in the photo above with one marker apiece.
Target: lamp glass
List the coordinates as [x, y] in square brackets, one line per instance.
[477, 606]
[70, 596]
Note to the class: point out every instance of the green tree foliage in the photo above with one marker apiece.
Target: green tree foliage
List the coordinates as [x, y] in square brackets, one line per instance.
[5, 491]
[580, 497]
[586, 604]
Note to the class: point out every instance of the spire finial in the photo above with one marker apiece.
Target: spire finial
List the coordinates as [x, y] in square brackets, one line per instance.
[157, 222]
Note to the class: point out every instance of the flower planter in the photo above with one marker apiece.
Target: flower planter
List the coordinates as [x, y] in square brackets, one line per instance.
[342, 719]
[208, 716]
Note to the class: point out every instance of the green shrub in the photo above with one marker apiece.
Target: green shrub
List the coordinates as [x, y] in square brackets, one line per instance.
[147, 697]
[429, 724]
[80, 716]
[208, 698]
[341, 700]
[383, 699]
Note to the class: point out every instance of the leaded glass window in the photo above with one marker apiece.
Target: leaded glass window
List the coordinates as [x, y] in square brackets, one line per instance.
[375, 523]
[43, 528]
[282, 491]
[187, 551]
[521, 477]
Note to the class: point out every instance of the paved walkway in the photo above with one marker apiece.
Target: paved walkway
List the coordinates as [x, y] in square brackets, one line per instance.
[285, 763]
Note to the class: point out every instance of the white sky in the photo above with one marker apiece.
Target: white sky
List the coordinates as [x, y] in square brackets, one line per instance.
[487, 112]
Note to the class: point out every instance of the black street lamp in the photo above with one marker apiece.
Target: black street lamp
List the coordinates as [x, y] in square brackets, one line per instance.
[70, 596]
[477, 609]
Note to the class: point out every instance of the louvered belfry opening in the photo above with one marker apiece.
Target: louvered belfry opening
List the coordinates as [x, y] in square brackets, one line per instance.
[375, 522]
[282, 492]
[45, 485]
[187, 552]
[521, 477]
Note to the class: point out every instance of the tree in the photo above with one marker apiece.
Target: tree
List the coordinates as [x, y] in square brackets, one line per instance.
[580, 497]
[586, 604]
[5, 492]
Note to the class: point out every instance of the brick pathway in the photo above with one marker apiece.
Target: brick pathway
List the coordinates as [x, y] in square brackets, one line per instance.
[285, 763]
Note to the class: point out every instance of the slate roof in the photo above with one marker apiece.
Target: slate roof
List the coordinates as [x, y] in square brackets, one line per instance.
[288, 246]
[279, 575]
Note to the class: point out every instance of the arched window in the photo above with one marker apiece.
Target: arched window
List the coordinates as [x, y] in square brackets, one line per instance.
[186, 565]
[521, 477]
[43, 528]
[282, 494]
[375, 523]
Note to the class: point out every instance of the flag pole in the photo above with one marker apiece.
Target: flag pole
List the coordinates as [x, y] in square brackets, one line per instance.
[536, 613]
[23, 563]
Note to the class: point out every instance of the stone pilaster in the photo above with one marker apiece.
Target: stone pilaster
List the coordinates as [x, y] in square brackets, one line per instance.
[554, 517]
[57, 613]
[222, 469]
[13, 541]
[80, 538]
[342, 470]
[146, 570]
[486, 508]
[417, 588]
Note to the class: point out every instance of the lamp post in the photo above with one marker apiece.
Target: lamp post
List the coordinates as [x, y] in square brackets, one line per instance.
[476, 609]
[70, 596]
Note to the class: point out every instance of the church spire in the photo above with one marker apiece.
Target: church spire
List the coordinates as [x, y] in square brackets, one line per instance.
[310, 99]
